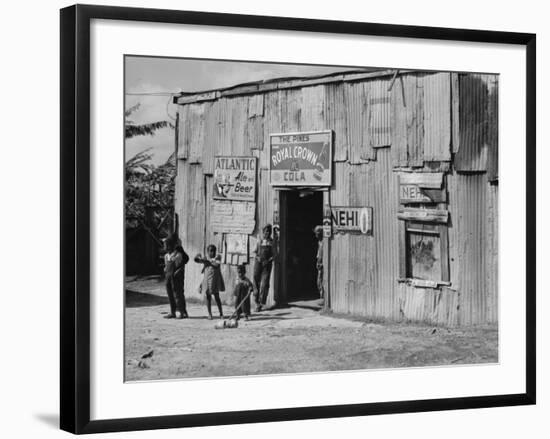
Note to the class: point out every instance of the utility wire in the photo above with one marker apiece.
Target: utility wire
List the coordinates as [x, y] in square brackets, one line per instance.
[158, 93]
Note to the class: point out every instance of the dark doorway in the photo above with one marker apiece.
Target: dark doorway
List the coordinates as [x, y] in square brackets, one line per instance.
[301, 211]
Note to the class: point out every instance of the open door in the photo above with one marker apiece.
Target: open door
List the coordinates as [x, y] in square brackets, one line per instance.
[301, 211]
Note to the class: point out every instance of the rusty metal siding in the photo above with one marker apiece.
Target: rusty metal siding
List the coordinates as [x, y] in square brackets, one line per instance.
[491, 253]
[437, 117]
[211, 136]
[290, 102]
[473, 122]
[335, 118]
[254, 133]
[313, 108]
[492, 129]
[363, 270]
[407, 103]
[379, 114]
[363, 273]
[238, 109]
[473, 245]
[272, 124]
[385, 231]
[191, 210]
[195, 132]
[398, 100]
[357, 118]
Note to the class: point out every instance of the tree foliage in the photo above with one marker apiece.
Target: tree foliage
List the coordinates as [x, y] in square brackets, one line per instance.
[149, 187]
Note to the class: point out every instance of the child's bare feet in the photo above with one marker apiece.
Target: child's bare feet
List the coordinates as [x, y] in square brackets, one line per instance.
[209, 316]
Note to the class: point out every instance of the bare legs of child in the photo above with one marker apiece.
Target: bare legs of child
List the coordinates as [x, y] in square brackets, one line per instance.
[209, 305]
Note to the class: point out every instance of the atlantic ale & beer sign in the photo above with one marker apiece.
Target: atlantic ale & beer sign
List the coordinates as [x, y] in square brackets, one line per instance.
[301, 159]
[234, 178]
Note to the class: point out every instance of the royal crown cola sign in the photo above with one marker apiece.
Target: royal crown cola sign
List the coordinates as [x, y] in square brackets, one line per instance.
[301, 159]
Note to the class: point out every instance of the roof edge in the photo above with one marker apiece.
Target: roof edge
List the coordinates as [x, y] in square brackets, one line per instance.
[281, 84]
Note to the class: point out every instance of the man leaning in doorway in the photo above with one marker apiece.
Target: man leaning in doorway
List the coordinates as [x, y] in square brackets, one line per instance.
[265, 254]
[318, 231]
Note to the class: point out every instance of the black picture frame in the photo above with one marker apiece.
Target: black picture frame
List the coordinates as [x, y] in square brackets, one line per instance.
[75, 217]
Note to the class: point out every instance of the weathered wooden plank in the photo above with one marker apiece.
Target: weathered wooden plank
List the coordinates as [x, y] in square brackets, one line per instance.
[291, 110]
[491, 253]
[444, 241]
[335, 118]
[356, 98]
[437, 117]
[473, 123]
[241, 90]
[255, 106]
[430, 215]
[492, 129]
[409, 193]
[379, 114]
[183, 133]
[254, 134]
[402, 250]
[313, 103]
[326, 258]
[414, 92]
[429, 180]
[399, 123]
[455, 113]
[199, 97]
[211, 136]
[272, 123]
[238, 109]
[305, 82]
[223, 145]
[196, 130]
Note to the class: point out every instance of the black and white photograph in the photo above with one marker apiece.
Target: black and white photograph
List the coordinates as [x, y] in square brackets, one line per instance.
[293, 218]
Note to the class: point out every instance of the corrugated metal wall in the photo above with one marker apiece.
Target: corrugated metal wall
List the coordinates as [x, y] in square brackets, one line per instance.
[377, 131]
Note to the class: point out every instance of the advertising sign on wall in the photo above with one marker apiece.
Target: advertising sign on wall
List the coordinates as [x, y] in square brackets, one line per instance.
[301, 159]
[352, 219]
[234, 178]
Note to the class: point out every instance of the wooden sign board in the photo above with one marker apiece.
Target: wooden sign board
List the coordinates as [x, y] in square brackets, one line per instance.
[235, 178]
[428, 215]
[421, 187]
[352, 219]
[300, 159]
[411, 193]
[232, 217]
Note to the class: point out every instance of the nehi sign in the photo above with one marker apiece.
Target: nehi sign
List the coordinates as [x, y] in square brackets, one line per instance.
[352, 219]
[235, 178]
[301, 159]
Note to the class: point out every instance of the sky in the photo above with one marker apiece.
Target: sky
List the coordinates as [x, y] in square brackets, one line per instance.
[174, 75]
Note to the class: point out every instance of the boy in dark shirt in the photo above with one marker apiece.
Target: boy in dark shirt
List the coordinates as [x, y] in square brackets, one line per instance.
[242, 291]
[174, 274]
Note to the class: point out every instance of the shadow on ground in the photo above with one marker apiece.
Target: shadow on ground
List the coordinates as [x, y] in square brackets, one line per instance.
[137, 300]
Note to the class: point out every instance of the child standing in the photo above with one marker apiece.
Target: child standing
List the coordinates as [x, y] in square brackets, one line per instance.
[265, 253]
[212, 282]
[174, 275]
[242, 291]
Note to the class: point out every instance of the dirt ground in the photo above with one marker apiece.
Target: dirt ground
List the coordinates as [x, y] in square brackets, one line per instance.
[282, 340]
